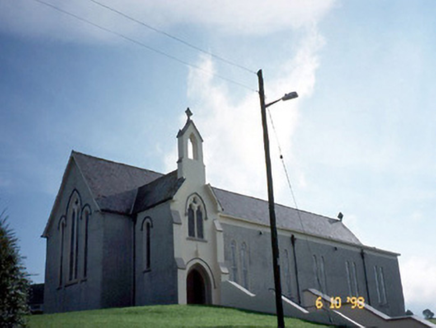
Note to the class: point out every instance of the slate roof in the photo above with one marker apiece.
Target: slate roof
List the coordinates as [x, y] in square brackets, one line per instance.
[127, 189]
[257, 211]
[156, 192]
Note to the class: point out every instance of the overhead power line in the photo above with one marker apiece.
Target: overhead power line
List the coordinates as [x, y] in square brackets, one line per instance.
[160, 52]
[309, 248]
[186, 43]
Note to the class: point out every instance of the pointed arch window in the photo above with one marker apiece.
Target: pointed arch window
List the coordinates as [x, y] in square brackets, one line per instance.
[353, 288]
[199, 217]
[146, 227]
[191, 221]
[315, 272]
[234, 262]
[196, 217]
[73, 238]
[380, 285]
[319, 274]
[244, 265]
[323, 276]
[86, 215]
[287, 275]
[73, 230]
[61, 228]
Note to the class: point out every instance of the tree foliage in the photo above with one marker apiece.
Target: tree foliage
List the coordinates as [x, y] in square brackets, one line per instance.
[428, 314]
[14, 282]
[408, 312]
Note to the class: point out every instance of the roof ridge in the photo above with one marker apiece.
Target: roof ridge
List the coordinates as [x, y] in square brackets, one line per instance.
[157, 179]
[266, 201]
[73, 152]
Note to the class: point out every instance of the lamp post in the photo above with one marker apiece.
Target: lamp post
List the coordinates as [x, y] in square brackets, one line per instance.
[272, 214]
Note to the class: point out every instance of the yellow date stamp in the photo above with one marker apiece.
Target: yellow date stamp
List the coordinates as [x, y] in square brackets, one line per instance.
[336, 302]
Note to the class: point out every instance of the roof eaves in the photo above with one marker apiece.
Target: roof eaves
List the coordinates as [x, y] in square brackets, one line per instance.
[354, 245]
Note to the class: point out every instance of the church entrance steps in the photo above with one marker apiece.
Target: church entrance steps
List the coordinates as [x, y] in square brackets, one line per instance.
[362, 315]
[236, 296]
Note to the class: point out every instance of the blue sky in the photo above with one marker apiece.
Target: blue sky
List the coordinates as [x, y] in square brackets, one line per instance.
[359, 139]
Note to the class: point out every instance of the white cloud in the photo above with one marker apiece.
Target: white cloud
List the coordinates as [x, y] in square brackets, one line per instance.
[419, 283]
[234, 145]
[255, 17]
[247, 17]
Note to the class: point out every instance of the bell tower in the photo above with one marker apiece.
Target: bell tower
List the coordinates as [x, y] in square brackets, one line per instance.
[190, 164]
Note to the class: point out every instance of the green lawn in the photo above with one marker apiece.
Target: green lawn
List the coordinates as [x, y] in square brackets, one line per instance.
[162, 316]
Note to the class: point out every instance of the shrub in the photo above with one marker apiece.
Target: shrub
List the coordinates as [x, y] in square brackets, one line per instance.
[14, 283]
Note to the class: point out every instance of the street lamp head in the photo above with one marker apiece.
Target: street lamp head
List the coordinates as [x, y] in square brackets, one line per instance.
[290, 95]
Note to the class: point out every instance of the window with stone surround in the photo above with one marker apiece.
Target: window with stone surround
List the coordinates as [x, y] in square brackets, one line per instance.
[196, 217]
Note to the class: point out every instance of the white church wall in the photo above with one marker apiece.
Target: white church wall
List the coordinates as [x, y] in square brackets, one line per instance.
[207, 251]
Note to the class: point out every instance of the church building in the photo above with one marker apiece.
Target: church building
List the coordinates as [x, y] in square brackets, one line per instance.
[120, 235]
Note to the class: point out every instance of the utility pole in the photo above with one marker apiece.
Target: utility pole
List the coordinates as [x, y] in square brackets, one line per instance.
[272, 214]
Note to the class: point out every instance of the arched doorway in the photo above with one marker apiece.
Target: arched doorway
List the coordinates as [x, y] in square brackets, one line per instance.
[197, 286]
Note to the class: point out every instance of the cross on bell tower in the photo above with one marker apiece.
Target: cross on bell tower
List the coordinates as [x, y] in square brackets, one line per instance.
[188, 113]
[190, 162]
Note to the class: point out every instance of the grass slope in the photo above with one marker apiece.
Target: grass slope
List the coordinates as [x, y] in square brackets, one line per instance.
[163, 316]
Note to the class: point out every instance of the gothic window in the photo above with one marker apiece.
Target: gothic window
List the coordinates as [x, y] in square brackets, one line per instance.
[191, 221]
[146, 243]
[354, 276]
[348, 271]
[199, 215]
[287, 275]
[380, 285]
[85, 216]
[244, 265]
[196, 216]
[350, 268]
[377, 284]
[61, 229]
[234, 269]
[315, 273]
[74, 239]
[319, 274]
[323, 276]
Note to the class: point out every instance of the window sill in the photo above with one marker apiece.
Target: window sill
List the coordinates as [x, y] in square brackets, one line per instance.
[71, 283]
[197, 239]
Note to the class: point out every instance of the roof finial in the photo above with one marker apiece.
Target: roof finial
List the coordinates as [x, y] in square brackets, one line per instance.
[188, 113]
